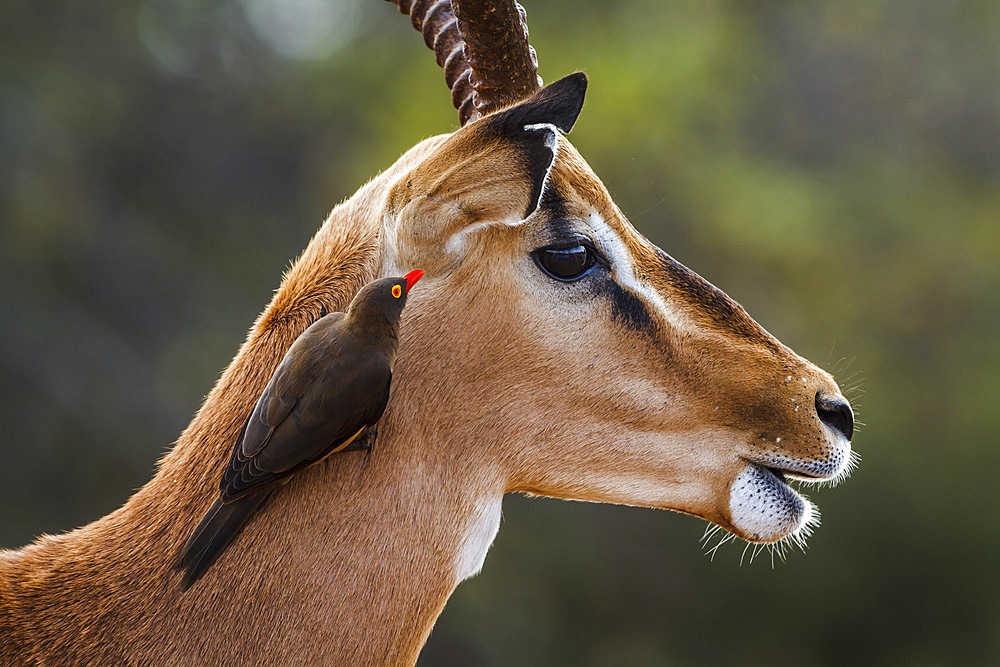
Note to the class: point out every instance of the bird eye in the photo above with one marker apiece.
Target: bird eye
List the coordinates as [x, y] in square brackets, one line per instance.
[565, 264]
[397, 291]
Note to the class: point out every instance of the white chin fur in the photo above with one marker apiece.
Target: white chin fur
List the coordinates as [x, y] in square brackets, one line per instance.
[765, 509]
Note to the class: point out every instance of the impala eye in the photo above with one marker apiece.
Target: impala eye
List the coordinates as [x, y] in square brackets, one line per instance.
[566, 264]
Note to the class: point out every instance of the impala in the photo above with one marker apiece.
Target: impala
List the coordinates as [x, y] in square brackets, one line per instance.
[551, 349]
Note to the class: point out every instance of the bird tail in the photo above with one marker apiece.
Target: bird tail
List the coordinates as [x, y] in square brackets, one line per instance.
[221, 523]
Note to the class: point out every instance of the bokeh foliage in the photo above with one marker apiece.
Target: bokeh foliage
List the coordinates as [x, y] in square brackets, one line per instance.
[834, 166]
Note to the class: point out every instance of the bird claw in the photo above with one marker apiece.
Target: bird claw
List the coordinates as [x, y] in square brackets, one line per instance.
[367, 442]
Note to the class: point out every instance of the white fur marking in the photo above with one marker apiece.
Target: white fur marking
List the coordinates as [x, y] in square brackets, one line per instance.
[621, 262]
[390, 249]
[541, 126]
[456, 242]
[482, 529]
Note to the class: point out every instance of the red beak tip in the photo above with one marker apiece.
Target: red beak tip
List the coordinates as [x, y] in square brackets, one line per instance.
[412, 277]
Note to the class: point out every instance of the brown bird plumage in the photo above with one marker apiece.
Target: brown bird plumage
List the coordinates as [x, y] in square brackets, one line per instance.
[332, 385]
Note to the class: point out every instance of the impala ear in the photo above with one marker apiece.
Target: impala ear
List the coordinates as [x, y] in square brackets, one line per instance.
[531, 125]
[493, 170]
[556, 104]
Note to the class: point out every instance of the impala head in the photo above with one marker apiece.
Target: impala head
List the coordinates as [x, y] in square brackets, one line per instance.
[601, 369]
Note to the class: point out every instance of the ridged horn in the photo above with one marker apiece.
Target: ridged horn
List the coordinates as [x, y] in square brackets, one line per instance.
[483, 48]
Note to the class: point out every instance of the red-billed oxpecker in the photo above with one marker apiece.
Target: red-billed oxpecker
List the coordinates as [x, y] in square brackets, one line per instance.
[332, 385]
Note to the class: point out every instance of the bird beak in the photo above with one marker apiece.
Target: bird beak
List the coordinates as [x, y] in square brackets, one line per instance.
[412, 277]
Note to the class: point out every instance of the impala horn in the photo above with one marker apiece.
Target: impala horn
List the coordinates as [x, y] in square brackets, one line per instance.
[482, 46]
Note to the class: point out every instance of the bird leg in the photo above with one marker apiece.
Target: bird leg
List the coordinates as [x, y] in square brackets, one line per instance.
[364, 441]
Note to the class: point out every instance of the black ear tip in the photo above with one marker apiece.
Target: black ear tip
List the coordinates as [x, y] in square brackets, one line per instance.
[568, 94]
[576, 81]
[558, 104]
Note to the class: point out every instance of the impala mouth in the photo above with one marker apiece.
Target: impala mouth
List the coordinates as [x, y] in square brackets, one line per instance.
[833, 465]
[763, 506]
[798, 475]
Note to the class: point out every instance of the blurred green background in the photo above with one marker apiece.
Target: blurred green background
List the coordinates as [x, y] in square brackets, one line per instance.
[834, 166]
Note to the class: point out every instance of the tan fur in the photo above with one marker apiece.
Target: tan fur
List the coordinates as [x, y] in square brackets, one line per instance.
[499, 387]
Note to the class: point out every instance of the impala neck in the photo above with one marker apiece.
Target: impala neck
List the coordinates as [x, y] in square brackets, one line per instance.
[350, 563]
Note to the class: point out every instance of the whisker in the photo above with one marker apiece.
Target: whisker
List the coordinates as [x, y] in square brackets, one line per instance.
[710, 530]
[711, 554]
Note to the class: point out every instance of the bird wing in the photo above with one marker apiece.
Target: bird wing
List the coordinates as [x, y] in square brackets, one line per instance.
[290, 428]
[282, 392]
[378, 408]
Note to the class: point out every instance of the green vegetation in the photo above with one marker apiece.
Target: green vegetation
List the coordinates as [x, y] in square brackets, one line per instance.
[834, 166]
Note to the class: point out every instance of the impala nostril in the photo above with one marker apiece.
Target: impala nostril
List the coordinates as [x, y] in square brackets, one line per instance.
[835, 412]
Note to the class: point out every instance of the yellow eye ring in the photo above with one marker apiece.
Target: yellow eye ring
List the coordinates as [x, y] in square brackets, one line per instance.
[397, 291]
